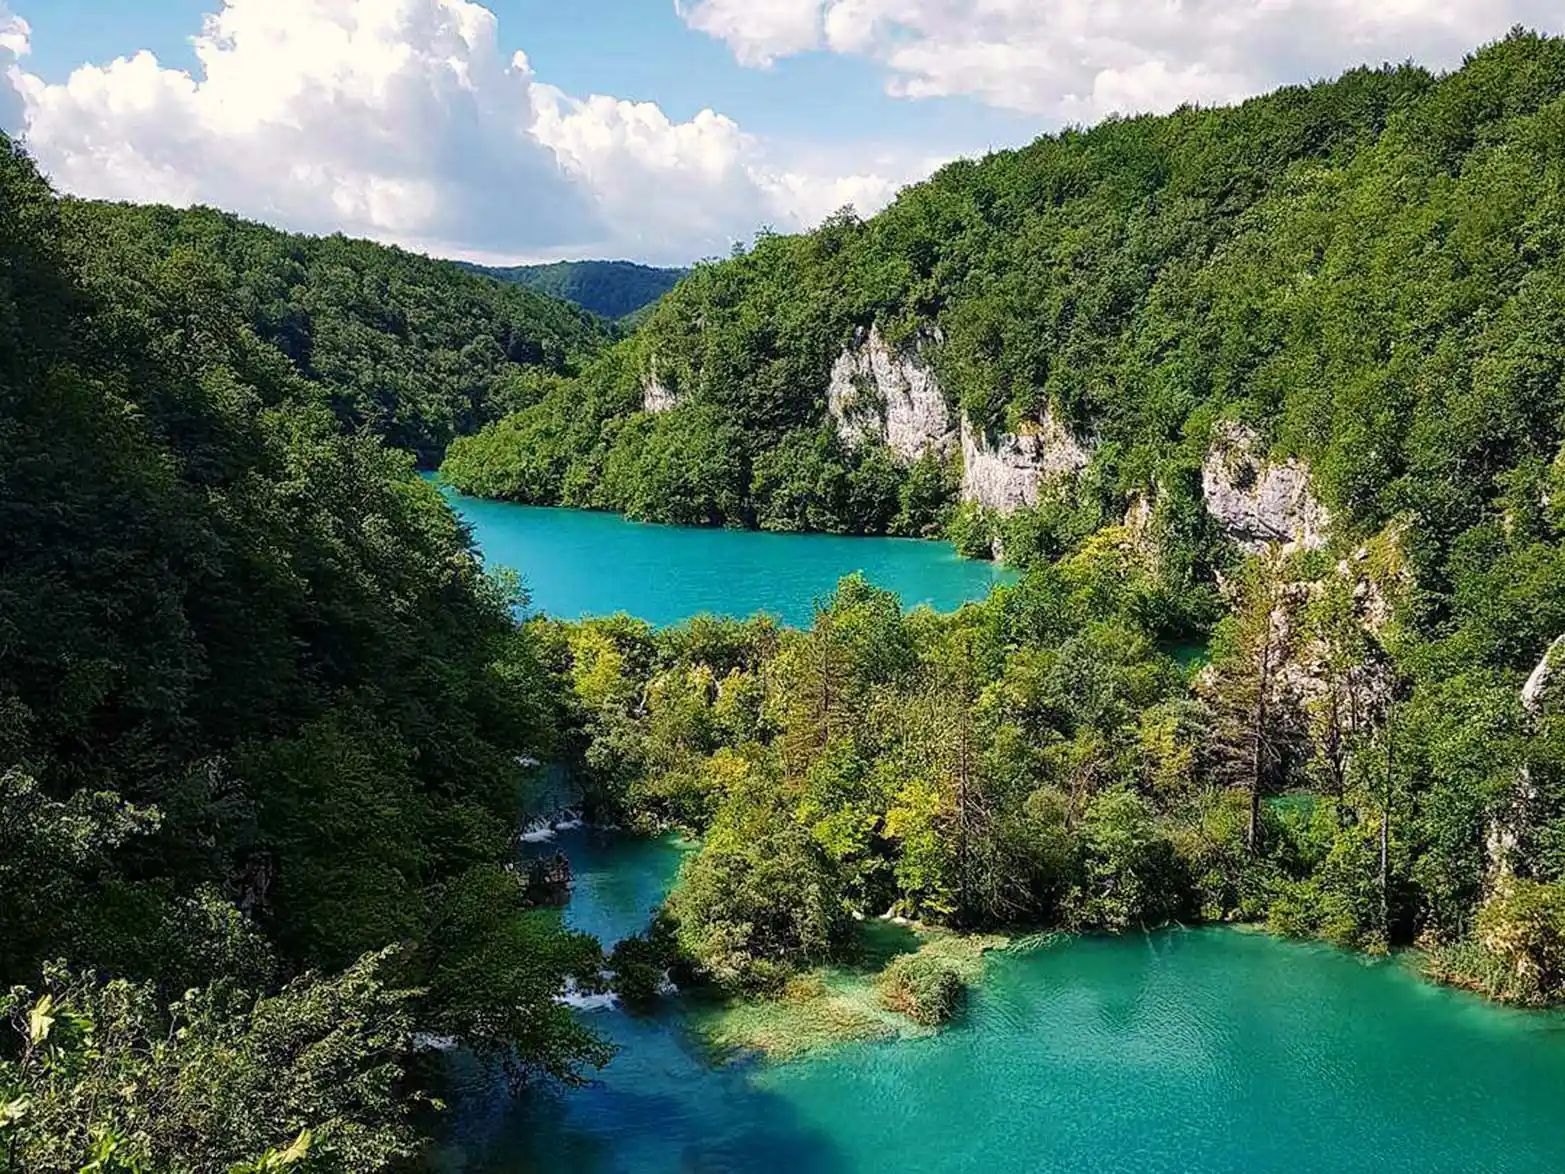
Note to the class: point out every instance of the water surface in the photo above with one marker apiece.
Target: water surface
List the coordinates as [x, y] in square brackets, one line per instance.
[1207, 1050]
[577, 563]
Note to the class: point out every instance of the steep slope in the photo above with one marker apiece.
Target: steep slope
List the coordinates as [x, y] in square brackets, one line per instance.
[610, 289]
[261, 718]
[1365, 271]
[409, 349]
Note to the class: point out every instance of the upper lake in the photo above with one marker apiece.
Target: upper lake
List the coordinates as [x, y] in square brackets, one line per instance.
[578, 563]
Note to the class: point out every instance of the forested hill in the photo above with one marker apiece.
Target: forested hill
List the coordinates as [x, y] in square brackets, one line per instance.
[1366, 270]
[610, 289]
[410, 349]
[262, 715]
[1283, 383]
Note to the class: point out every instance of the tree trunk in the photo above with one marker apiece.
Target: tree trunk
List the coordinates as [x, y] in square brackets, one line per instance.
[1385, 838]
[1252, 839]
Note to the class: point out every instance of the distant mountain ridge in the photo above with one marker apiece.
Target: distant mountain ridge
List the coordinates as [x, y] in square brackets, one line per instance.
[610, 289]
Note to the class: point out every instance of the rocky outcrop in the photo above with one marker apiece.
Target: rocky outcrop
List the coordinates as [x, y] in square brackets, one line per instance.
[655, 396]
[1259, 502]
[1006, 472]
[878, 395]
[1511, 824]
[1546, 680]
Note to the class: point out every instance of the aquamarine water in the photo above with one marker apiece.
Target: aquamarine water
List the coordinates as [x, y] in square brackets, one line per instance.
[1182, 1052]
[577, 563]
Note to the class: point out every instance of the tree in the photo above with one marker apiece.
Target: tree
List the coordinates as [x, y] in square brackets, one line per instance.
[761, 898]
[1255, 731]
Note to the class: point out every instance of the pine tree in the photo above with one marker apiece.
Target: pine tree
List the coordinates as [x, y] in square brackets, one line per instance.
[1256, 726]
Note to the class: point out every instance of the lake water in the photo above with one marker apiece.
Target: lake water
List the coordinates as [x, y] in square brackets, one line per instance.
[577, 563]
[1182, 1052]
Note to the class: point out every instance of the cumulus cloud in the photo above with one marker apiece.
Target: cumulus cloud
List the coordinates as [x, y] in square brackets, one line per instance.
[404, 120]
[759, 31]
[14, 43]
[1069, 60]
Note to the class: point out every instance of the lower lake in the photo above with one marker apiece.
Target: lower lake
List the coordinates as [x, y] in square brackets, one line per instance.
[578, 563]
[1207, 1051]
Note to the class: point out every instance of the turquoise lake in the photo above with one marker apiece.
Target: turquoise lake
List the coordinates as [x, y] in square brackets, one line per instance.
[1209, 1050]
[577, 563]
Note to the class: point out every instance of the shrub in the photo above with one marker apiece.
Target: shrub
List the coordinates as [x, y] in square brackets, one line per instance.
[927, 989]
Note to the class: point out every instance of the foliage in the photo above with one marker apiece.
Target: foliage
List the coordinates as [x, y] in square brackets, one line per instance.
[97, 1076]
[927, 989]
[409, 349]
[1517, 952]
[610, 289]
[760, 898]
[262, 714]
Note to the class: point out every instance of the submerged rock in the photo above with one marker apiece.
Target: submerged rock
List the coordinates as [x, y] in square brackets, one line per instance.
[878, 395]
[548, 881]
[1007, 472]
[1257, 501]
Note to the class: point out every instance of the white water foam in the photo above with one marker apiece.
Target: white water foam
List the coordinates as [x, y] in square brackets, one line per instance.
[574, 996]
[541, 831]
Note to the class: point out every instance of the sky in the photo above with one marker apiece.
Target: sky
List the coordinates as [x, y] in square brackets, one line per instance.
[654, 130]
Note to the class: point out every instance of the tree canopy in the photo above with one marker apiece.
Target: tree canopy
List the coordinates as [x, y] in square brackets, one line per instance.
[262, 713]
[611, 289]
[412, 350]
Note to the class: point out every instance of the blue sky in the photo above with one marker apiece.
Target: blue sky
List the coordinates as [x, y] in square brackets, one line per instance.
[635, 49]
[656, 129]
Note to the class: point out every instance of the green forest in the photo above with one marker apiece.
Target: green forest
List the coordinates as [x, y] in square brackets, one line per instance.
[615, 290]
[262, 715]
[414, 351]
[268, 728]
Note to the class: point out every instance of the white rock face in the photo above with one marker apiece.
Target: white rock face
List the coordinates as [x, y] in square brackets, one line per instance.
[877, 394]
[1545, 679]
[655, 397]
[1258, 502]
[1007, 474]
[1511, 823]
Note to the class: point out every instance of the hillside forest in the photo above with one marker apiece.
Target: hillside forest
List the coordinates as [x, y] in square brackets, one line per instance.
[620, 291]
[1266, 401]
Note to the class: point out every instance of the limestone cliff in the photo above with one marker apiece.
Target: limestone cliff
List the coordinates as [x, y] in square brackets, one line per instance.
[1510, 825]
[1005, 473]
[1546, 680]
[878, 394]
[1259, 502]
[655, 396]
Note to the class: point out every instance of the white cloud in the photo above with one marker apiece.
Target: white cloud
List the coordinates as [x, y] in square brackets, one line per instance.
[760, 31]
[1069, 60]
[14, 43]
[405, 121]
